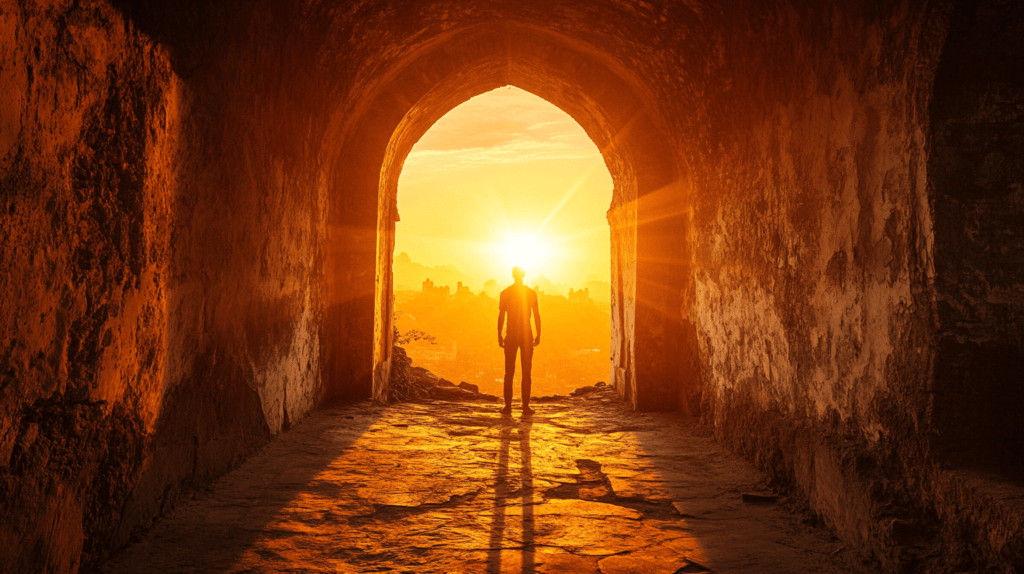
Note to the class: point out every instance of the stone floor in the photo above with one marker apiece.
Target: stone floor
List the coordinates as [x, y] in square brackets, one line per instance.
[581, 486]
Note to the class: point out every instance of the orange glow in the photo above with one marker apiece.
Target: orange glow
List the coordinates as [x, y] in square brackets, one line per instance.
[505, 179]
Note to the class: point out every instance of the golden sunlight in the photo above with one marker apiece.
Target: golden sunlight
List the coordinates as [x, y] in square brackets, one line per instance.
[506, 178]
[525, 250]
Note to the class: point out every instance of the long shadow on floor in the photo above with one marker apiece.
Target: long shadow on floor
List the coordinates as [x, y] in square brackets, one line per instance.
[503, 494]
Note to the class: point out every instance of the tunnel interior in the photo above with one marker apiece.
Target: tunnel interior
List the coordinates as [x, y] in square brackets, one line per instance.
[815, 241]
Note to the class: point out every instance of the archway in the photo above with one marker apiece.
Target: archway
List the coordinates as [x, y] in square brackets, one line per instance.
[624, 250]
[505, 179]
[651, 269]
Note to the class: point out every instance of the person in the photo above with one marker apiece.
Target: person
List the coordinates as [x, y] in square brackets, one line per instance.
[518, 302]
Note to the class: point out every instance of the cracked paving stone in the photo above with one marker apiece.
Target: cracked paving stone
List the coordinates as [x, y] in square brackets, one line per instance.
[582, 486]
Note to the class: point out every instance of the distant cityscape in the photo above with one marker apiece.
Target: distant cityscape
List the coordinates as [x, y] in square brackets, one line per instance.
[574, 345]
[410, 275]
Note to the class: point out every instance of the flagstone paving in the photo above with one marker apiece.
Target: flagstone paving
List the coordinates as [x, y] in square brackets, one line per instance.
[584, 485]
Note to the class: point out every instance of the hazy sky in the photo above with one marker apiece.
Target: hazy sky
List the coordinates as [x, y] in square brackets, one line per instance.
[506, 178]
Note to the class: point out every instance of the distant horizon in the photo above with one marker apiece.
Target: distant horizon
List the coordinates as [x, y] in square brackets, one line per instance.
[450, 276]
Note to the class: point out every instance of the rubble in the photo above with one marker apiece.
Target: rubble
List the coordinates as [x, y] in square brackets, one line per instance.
[409, 383]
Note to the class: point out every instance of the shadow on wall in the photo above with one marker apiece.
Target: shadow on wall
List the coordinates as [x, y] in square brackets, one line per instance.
[173, 272]
[191, 30]
[207, 425]
[977, 179]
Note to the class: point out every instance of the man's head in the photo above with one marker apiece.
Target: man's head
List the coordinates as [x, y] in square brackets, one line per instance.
[518, 273]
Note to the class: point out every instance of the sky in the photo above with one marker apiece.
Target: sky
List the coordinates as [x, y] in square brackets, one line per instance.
[507, 179]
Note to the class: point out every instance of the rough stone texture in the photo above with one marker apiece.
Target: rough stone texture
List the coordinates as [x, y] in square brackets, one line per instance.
[198, 214]
[88, 142]
[582, 486]
[814, 261]
[158, 299]
[406, 382]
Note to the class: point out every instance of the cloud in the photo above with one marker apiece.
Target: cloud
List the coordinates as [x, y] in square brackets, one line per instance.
[504, 126]
[519, 151]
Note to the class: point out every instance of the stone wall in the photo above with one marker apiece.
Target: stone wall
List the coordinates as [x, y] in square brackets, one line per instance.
[814, 234]
[90, 132]
[159, 243]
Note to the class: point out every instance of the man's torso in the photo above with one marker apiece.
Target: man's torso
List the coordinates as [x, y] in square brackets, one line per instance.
[517, 301]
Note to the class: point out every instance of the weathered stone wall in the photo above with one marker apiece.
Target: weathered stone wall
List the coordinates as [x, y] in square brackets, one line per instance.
[817, 264]
[976, 178]
[159, 240]
[812, 299]
[90, 133]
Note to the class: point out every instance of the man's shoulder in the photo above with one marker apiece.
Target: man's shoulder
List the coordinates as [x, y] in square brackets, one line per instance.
[522, 289]
[531, 295]
[505, 294]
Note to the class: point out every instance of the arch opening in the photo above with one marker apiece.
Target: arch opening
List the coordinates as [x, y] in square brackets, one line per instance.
[505, 179]
[623, 250]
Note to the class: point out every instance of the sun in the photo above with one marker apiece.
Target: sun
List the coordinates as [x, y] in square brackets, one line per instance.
[523, 249]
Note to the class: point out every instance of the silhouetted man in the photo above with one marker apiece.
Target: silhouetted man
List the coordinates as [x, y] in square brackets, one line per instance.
[518, 302]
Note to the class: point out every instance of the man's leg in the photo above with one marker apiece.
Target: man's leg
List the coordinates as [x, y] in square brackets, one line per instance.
[527, 359]
[510, 371]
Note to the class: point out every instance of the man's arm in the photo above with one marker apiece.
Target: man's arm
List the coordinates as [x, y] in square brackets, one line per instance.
[501, 325]
[536, 321]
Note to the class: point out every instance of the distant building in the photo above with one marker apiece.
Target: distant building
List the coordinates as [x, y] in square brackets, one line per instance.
[462, 291]
[581, 296]
[600, 292]
[439, 292]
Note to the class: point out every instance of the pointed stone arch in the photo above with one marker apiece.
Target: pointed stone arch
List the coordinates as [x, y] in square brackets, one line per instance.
[648, 214]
